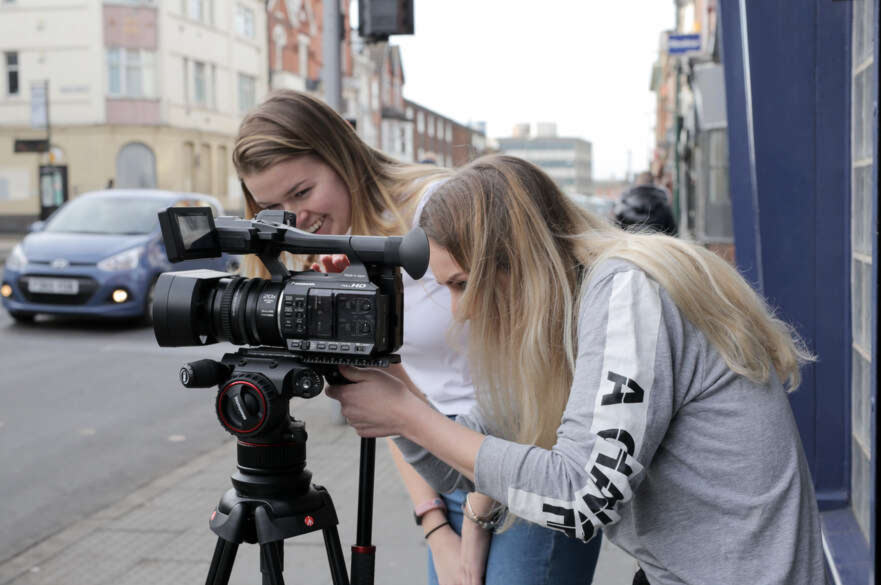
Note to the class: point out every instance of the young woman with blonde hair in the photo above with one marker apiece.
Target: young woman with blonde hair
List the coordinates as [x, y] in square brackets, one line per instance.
[628, 382]
[293, 152]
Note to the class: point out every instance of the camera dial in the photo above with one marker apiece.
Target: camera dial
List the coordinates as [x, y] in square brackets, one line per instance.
[245, 404]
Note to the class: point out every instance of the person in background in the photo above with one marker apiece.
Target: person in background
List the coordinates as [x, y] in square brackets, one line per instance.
[293, 152]
[629, 382]
[645, 206]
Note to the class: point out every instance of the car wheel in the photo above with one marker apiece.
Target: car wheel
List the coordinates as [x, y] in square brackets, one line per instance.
[22, 317]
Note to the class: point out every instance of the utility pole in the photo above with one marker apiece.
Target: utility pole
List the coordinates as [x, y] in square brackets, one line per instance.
[331, 49]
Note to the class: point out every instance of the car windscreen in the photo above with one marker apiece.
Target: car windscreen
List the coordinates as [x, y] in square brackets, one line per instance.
[107, 215]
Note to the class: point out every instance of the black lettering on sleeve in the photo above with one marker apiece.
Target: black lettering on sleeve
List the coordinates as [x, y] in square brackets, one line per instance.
[567, 525]
[620, 436]
[618, 396]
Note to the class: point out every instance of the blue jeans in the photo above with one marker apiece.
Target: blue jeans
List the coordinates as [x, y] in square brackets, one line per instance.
[528, 554]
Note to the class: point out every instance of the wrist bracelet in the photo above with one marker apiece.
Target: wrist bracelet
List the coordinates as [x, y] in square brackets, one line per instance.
[426, 507]
[439, 526]
[488, 522]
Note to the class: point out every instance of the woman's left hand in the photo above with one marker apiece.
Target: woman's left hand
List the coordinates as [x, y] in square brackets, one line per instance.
[473, 553]
[376, 403]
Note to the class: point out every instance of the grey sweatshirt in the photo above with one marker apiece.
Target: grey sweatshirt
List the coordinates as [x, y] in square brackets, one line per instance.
[694, 470]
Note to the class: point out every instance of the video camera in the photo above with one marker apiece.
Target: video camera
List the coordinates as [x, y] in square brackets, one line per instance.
[302, 326]
[332, 318]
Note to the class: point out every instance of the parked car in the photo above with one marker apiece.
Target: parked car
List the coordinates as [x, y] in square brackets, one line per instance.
[98, 255]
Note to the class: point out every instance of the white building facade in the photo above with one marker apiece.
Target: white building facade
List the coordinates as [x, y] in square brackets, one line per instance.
[142, 93]
[568, 161]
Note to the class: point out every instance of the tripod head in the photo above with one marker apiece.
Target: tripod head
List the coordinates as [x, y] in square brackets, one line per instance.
[273, 497]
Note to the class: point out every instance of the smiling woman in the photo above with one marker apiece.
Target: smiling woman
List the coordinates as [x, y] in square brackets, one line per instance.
[308, 187]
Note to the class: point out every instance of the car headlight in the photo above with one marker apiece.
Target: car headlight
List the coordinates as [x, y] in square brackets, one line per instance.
[123, 261]
[17, 260]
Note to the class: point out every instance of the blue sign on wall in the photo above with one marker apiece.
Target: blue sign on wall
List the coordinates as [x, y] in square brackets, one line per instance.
[683, 44]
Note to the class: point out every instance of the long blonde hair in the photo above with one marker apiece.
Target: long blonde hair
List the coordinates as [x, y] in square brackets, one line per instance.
[529, 250]
[384, 192]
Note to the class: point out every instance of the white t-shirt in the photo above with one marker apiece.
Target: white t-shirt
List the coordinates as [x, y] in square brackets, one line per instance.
[433, 358]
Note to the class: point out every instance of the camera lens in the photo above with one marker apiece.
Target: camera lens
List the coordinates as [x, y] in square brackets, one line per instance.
[245, 310]
[200, 307]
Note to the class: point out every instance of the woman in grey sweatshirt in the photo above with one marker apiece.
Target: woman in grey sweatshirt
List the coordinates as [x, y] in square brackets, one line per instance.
[627, 382]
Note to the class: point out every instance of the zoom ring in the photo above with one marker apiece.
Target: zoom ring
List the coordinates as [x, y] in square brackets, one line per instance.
[226, 308]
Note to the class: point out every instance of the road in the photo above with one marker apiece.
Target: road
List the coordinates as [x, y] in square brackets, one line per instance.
[89, 411]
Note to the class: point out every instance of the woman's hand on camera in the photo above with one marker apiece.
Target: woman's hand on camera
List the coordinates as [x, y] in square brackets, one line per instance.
[331, 263]
[376, 404]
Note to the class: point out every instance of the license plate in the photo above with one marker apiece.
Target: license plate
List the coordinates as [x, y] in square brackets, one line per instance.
[53, 286]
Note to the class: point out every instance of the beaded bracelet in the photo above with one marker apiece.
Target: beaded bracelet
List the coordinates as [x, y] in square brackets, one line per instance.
[488, 522]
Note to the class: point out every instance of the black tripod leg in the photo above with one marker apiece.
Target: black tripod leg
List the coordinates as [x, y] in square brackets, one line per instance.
[363, 552]
[221, 562]
[271, 564]
[335, 556]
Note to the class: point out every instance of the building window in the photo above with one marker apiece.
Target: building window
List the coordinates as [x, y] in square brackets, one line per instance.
[303, 56]
[863, 228]
[247, 93]
[201, 10]
[245, 21]
[430, 127]
[131, 73]
[186, 85]
[200, 81]
[136, 167]
[420, 122]
[12, 73]
[200, 84]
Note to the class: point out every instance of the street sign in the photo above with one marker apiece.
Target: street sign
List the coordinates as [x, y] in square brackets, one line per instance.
[39, 104]
[683, 44]
[37, 145]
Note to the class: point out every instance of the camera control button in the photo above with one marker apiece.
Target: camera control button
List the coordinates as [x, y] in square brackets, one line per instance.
[344, 347]
[322, 346]
[305, 345]
[332, 346]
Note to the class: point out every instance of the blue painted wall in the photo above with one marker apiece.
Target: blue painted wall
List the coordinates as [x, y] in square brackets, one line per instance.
[788, 95]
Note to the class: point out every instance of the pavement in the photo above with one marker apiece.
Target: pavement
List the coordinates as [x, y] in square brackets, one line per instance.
[159, 533]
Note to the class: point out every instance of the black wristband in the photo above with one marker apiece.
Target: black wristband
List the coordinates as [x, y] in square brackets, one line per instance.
[432, 531]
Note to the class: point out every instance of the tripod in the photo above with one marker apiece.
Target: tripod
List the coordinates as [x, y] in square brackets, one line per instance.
[273, 499]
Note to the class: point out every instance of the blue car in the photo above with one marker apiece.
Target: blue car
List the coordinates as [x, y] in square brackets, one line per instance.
[99, 255]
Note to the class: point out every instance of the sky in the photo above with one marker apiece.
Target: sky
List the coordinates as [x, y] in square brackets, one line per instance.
[584, 64]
